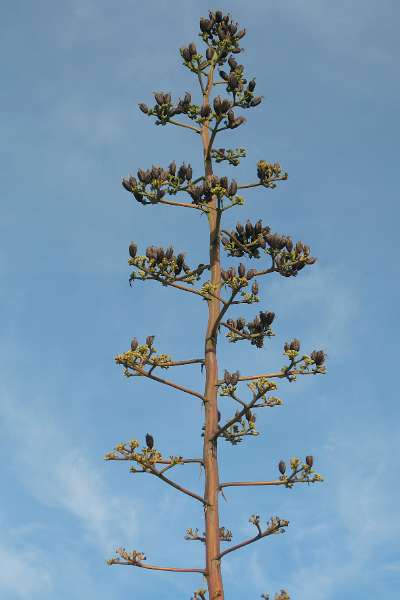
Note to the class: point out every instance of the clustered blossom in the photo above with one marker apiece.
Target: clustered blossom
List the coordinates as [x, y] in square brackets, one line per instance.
[255, 331]
[300, 472]
[152, 184]
[232, 157]
[251, 239]
[141, 355]
[163, 265]
[212, 186]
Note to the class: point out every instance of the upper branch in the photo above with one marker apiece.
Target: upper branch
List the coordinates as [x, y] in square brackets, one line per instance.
[275, 525]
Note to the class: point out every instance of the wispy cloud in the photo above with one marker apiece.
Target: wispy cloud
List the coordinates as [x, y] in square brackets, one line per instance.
[23, 572]
[56, 472]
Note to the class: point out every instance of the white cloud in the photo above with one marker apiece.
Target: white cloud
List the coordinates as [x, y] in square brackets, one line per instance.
[56, 472]
[23, 572]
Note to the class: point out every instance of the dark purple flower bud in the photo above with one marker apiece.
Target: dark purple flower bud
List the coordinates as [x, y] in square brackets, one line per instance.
[224, 75]
[295, 345]
[185, 53]
[132, 249]
[150, 340]
[239, 228]
[224, 182]
[282, 467]
[144, 108]
[149, 441]
[180, 259]
[217, 105]
[232, 62]
[134, 344]
[205, 111]
[252, 85]
[235, 377]
[226, 104]
[318, 357]
[205, 25]
[167, 98]
[267, 318]
[218, 16]
[256, 101]
[254, 288]
[311, 260]
[240, 324]
[189, 172]
[289, 244]
[227, 377]
[192, 49]
[310, 460]
[240, 34]
[160, 254]
[209, 53]
[233, 188]
[249, 229]
[224, 275]
[169, 252]
[172, 168]
[299, 247]
[250, 274]
[241, 270]
[239, 121]
[182, 172]
[232, 28]
[159, 97]
[233, 81]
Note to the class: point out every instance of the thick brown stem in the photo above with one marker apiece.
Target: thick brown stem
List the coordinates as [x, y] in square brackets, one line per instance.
[210, 457]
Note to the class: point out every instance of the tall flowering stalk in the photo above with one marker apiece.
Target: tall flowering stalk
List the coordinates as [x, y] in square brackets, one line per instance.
[223, 289]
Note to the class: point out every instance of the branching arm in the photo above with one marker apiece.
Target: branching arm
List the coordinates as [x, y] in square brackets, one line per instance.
[167, 382]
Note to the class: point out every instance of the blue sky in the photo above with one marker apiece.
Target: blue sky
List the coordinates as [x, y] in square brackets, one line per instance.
[72, 75]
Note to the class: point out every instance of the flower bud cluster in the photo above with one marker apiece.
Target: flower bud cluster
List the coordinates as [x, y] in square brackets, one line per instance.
[237, 278]
[260, 388]
[164, 108]
[251, 239]
[213, 186]
[230, 383]
[274, 525]
[222, 36]
[268, 173]
[231, 156]
[255, 331]
[141, 355]
[316, 359]
[225, 535]
[246, 239]
[134, 557]
[194, 534]
[152, 184]
[243, 427]
[199, 594]
[300, 472]
[163, 265]
[282, 595]
[236, 84]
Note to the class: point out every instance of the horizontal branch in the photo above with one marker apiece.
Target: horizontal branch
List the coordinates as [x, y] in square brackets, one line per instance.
[178, 487]
[167, 382]
[181, 204]
[255, 483]
[185, 125]
[154, 567]
[276, 375]
[179, 363]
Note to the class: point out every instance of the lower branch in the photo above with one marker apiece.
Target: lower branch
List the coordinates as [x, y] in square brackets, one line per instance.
[135, 559]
